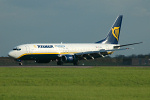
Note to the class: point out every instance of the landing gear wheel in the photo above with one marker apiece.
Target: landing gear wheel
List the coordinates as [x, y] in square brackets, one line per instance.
[76, 63]
[59, 63]
[20, 63]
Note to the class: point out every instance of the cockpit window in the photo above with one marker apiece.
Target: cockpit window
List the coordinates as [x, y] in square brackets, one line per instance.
[18, 49]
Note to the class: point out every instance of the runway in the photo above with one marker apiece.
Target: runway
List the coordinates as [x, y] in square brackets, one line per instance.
[68, 66]
[52, 66]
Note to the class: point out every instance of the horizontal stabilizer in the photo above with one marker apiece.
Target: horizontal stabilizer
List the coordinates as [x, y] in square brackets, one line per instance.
[127, 45]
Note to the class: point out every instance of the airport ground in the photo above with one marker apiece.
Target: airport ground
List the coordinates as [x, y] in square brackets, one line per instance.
[118, 61]
[74, 83]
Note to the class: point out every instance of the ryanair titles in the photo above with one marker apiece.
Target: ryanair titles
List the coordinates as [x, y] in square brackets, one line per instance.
[45, 46]
[49, 46]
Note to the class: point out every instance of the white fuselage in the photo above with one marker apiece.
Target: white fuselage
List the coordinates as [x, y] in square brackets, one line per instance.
[34, 49]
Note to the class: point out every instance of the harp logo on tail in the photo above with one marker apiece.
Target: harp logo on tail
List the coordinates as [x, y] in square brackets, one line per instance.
[115, 32]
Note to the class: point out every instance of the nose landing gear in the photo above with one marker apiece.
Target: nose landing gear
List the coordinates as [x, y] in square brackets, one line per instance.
[20, 63]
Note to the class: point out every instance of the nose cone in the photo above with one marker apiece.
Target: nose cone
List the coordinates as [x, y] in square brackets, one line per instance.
[12, 54]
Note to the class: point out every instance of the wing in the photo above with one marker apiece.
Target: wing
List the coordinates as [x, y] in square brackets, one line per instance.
[96, 54]
[102, 52]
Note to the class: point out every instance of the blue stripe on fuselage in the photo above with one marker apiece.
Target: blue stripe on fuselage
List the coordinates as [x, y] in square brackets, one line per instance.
[39, 56]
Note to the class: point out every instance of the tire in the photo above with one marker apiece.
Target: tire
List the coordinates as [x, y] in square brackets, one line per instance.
[20, 64]
[60, 63]
[76, 63]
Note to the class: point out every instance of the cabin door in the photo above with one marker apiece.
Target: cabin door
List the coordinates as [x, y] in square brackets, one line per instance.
[27, 49]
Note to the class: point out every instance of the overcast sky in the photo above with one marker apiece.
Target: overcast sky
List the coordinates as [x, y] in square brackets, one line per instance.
[73, 21]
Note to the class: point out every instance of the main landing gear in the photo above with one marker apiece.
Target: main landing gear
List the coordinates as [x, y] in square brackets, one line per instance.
[75, 63]
[60, 62]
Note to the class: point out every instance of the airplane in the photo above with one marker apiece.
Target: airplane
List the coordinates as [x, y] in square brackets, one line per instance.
[71, 52]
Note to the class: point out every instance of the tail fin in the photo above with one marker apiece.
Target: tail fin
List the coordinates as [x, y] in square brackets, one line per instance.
[113, 35]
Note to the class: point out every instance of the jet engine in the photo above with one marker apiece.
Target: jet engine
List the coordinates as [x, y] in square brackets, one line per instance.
[69, 58]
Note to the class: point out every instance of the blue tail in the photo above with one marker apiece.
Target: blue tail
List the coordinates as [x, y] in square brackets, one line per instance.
[113, 35]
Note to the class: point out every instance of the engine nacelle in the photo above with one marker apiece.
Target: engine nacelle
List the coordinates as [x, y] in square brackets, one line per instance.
[69, 58]
[42, 61]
